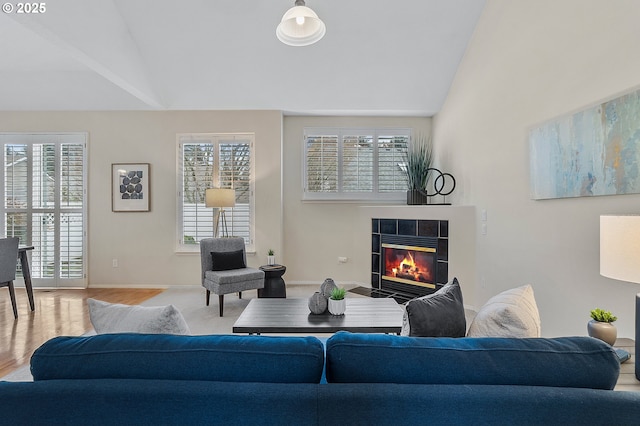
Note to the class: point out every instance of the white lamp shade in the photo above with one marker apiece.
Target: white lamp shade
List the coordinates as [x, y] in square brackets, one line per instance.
[620, 247]
[220, 197]
[300, 26]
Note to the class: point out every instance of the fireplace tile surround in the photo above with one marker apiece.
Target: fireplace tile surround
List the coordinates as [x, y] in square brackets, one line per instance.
[432, 233]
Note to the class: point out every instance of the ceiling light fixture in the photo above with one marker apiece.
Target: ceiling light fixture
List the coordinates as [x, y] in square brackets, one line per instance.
[300, 26]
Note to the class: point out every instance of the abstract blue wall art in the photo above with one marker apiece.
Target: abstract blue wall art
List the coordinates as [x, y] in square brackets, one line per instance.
[595, 151]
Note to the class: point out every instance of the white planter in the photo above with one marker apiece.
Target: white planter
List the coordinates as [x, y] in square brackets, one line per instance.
[337, 307]
[271, 260]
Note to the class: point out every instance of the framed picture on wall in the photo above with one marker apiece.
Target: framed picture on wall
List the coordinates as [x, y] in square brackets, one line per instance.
[130, 187]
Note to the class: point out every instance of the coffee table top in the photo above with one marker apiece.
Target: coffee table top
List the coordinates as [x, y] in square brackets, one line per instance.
[363, 315]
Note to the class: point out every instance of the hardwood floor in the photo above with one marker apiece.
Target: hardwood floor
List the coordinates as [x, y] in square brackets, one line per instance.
[58, 313]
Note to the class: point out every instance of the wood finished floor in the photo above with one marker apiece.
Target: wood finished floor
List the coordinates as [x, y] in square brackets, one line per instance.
[58, 313]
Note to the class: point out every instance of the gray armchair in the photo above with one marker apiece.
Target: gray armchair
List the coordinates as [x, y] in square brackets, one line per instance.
[8, 261]
[224, 268]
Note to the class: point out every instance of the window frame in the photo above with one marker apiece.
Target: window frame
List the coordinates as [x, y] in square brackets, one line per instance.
[340, 195]
[216, 139]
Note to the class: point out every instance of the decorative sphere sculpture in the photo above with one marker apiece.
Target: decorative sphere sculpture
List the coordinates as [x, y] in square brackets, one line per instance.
[317, 303]
[327, 286]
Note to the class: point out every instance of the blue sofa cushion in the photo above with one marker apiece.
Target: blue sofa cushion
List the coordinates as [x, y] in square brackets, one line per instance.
[579, 362]
[225, 358]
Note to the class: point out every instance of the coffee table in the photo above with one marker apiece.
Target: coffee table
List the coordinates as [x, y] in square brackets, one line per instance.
[363, 315]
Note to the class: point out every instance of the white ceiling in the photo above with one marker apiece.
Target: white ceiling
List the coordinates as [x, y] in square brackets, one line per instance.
[379, 57]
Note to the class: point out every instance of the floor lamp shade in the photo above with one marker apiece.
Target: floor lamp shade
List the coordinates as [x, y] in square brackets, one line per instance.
[220, 197]
[620, 247]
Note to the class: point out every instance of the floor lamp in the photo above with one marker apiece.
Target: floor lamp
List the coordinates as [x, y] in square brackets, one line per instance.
[620, 257]
[220, 198]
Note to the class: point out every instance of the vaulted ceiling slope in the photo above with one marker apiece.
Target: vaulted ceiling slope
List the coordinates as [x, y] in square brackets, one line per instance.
[378, 57]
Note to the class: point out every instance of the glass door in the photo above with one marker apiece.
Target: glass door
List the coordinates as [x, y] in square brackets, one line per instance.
[44, 205]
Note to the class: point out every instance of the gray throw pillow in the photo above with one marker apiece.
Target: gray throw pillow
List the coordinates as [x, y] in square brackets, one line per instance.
[440, 314]
[512, 313]
[116, 318]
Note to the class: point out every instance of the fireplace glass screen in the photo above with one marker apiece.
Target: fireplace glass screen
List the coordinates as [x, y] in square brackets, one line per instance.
[408, 264]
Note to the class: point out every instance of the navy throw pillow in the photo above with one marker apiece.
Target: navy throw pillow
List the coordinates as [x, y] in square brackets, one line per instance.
[440, 314]
[226, 260]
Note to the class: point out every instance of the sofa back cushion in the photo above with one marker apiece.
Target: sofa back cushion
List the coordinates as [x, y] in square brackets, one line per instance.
[225, 358]
[580, 362]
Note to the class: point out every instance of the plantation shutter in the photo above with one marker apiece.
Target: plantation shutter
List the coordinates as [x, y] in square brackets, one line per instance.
[391, 152]
[357, 163]
[322, 163]
[235, 173]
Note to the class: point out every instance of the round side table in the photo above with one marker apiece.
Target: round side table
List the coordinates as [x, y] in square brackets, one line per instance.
[273, 283]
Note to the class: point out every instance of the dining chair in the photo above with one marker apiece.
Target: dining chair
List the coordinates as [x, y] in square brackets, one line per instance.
[8, 259]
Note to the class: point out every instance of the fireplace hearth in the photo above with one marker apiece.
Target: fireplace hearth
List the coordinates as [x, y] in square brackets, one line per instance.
[409, 258]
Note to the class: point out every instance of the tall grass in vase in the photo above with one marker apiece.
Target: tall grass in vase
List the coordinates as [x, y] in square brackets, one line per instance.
[417, 161]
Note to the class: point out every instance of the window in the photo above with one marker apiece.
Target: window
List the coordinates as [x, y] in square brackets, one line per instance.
[44, 185]
[209, 160]
[355, 164]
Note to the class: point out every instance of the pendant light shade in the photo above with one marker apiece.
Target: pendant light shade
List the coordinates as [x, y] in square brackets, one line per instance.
[300, 26]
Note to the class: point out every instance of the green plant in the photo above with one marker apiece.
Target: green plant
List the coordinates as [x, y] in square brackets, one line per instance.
[338, 293]
[418, 159]
[270, 252]
[602, 315]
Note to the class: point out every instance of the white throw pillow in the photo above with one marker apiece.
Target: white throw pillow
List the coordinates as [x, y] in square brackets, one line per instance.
[116, 318]
[512, 313]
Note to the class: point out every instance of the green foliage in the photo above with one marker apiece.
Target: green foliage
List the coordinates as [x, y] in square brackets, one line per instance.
[338, 293]
[270, 252]
[602, 315]
[418, 159]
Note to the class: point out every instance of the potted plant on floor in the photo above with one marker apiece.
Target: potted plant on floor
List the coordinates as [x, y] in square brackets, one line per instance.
[271, 259]
[417, 162]
[337, 303]
[601, 326]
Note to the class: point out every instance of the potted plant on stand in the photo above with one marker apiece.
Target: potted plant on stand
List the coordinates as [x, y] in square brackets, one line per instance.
[271, 259]
[601, 326]
[337, 303]
[417, 166]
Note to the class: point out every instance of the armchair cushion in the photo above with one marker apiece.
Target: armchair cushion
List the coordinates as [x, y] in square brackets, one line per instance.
[227, 260]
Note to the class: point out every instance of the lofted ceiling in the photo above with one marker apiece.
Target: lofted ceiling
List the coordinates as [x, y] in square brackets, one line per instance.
[378, 57]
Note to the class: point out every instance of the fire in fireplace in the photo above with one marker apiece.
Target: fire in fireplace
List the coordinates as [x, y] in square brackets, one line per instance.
[409, 264]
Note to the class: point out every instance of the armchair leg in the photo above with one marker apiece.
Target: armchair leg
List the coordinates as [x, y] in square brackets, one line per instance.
[239, 295]
[221, 302]
[12, 294]
[208, 294]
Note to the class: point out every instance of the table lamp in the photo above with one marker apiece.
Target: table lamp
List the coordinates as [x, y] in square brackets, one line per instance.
[620, 256]
[220, 198]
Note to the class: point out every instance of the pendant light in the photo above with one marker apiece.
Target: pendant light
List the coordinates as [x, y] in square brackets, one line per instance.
[300, 26]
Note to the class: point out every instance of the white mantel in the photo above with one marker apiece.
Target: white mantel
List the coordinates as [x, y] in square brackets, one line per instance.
[462, 237]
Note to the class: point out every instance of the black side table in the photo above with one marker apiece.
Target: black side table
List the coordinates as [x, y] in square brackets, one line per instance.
[273, 283]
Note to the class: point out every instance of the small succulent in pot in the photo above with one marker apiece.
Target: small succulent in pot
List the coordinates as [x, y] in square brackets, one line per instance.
[337, 303]
[601, 326]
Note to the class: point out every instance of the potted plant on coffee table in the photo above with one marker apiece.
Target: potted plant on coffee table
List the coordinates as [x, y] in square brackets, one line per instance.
[600, 326]
[337, 303]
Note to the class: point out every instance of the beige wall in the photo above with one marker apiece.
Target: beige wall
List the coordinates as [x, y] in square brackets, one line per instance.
[145, 243]
[530, 61]
[317, 233]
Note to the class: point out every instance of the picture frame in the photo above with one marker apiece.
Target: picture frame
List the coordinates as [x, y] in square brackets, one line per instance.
[130, 187]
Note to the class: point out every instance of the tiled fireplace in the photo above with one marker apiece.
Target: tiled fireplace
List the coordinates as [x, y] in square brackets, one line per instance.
[409, 257]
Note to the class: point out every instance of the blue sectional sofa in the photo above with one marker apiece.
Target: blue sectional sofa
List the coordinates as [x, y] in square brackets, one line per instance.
[367, 379]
